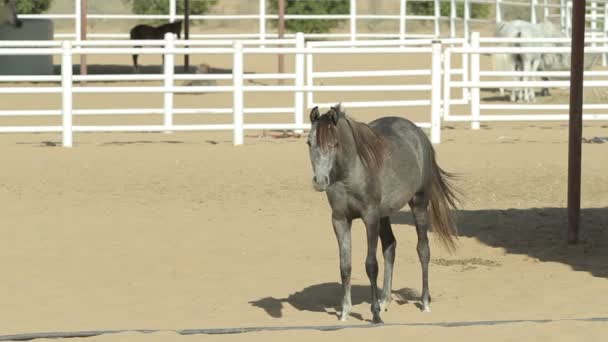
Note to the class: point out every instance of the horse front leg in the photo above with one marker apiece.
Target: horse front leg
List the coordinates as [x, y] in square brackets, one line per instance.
[342, 229]
[372, 225]
[534, 66]
[389, 244]
[135, 63]
[419, 205]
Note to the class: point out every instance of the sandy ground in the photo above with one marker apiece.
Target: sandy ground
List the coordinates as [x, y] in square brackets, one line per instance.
[183, 230]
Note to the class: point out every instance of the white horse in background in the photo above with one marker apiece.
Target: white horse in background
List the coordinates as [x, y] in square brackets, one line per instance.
[529, 61]
[8, 13]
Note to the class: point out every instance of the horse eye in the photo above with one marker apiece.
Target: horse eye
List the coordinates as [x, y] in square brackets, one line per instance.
[308, 142]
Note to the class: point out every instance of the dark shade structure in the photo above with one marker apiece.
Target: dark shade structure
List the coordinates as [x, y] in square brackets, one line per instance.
[576, 119]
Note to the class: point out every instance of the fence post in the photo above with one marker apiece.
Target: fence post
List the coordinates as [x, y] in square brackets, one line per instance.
[299, 82]
[172, 10]
[453, 16]
[593, 22]
[562, 15]
[603, 35]
[78, 18]
[169, 70]
[498, 11]
[465, 69]
[447, 76]
[436, 93]
[533, 18]
[437, 8]
[309, 77]
[262, 20]
[66, 92]
[475, 78]
[353, 20]
[467, 17]
[237, 97]
[546, 10]
[569, 18]
[402, 20]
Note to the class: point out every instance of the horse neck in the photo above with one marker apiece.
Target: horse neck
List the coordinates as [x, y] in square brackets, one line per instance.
[348, 146]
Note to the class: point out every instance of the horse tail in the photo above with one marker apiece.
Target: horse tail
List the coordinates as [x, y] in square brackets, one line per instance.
[443, 200]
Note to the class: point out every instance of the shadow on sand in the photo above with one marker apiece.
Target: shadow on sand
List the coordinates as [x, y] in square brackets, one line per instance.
[326, 298]
[536, 232]
[539, 233]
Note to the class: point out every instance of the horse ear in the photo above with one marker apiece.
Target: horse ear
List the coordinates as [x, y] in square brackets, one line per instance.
[314, 114]
[334, 115]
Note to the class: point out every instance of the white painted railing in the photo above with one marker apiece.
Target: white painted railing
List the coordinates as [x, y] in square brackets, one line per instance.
[551, 9]
[516, 111]
[238, 49]
[468, 78]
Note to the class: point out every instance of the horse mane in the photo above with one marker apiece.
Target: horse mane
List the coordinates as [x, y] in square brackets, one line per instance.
[370, 146]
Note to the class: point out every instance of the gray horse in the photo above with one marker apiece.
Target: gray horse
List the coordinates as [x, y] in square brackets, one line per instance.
[370, 172]
[530, 61]
[8, 13]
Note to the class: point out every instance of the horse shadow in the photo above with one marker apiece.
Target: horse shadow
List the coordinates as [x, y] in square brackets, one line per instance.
[539, 233]
[326, 298]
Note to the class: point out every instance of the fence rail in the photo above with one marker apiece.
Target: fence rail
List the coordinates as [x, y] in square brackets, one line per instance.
[168, 89]
[597, 12]
[440, 80]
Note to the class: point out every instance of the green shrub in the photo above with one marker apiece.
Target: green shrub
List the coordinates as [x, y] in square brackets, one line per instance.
[162, 6]
[311, 7]
[427, 8]
[33, 6]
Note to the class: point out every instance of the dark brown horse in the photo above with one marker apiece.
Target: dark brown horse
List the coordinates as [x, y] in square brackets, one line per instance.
[141, 32]
[371, 172]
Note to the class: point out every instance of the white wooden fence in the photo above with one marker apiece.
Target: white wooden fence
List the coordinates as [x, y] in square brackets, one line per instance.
[238, 51]
[517, 111]
[556, 10]
[467, 79]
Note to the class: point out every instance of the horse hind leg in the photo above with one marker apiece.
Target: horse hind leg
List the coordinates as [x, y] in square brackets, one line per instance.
[372, 226]
[419, 205]
[389, 244]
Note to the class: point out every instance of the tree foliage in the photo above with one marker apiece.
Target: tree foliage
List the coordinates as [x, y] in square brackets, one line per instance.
[162, 6]
[311, 7]
[33, 6]
[428, 8]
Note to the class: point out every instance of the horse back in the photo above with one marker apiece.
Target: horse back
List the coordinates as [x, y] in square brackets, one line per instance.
[407, 168]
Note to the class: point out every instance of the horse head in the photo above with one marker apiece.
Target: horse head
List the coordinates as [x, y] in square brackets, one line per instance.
[323, 145]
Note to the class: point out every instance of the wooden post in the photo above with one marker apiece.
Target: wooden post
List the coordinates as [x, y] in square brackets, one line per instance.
[83, 35]
[281, 28]
[576, 119]
[186, 32]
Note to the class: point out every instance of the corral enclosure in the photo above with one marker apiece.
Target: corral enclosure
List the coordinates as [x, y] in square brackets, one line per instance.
[183, 230]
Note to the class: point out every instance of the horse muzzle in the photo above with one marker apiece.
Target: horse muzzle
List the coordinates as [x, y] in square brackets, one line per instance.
[321, 183]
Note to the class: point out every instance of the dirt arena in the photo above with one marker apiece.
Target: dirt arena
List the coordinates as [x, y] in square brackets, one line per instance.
[183, 230]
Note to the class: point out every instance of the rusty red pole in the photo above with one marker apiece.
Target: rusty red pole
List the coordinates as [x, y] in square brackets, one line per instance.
[83, 35]
[576, 119]
[186, 32]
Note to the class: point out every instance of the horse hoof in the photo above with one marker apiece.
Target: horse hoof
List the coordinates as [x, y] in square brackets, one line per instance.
[384, 305]
[377, 320]
[343, 318]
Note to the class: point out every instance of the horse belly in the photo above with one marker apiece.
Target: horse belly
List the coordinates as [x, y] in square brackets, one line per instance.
[398, 190]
